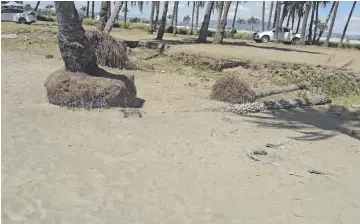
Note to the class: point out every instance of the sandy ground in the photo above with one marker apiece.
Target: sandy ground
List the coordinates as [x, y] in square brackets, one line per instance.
[171, 166]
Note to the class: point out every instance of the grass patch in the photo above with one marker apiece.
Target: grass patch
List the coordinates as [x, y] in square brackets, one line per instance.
[243, 36]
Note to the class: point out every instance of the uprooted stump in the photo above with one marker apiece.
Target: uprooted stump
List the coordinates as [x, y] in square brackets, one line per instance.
[97, 90]
[232, 90]
[109, 51]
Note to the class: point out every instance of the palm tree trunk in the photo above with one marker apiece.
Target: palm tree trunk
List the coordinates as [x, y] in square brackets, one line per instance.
[292, 20]
[205, 24]
[326, 44]
[219, 36]
[75, 49]
[173, 16]
[110, 23]
[221, 7]
[176, 5]
[311, 20]
[125, 13]
[277, 21]
[305, 19]
[103, 16]
[93, 10]
[37, 6]
[326, 22]
[192, 19]
[151, 25]
[262, 18]
[317, 20]
[197, 16]
[87, 9]
[284, 89]
[161, 30]
[157, 15]
[270, 14]
[234, 19]
[109, 10]
[284, 13]
[346, 25]
[288, 20]
[298, 25]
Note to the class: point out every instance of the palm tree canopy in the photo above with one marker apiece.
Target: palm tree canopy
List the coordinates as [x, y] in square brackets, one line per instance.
[240, 21]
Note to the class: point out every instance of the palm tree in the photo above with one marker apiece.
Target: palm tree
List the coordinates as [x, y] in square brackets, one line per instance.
[277, 21]
[234, 19]
[253, 21]
[326, 44]
[326, 22]
[71, 36]
[151, 25]
[87, 9]
[108, 11]
[303, 28]
[263, 17]
[198, 5]
[286, 9]
[93, 10]
[157, 7]
[240, 21]
[192, 18]
[300, 13]
[102, 16]
[125, 10]
[316, 22]
[346, 25]
[219, 36]
[219, 7]
[176, 6]
[37, 6]
[110, 23]
[205, 24]
[270, 14]
[313, 6]
[161, 30]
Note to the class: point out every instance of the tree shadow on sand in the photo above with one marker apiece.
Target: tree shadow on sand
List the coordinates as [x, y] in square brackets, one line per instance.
[308, 121]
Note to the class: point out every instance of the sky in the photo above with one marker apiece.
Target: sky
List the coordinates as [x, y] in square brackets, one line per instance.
[245, 11]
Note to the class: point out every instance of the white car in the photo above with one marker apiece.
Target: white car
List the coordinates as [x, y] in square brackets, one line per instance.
[285, 35]
[18, 16]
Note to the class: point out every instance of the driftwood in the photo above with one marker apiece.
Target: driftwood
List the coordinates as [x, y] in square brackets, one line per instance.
[256, 107]
[284, 89]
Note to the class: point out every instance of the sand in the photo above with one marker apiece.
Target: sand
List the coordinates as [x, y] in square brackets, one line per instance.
[173, 165]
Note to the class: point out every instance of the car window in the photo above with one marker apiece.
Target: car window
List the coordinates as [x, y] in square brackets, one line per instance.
[6, 11]
[286, 30]
[17, 11]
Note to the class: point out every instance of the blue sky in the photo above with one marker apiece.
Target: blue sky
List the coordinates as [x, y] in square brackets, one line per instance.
[245, 10]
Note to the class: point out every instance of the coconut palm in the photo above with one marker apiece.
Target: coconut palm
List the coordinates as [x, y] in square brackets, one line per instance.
[219, 6]
[125, 10]
[326, 22]
[103, 15]
[326, 44]
[303, 28]
[316, 21]
[83, 9]
[192, 18]
[198, 5]
[110, 23]
[176, 6]
[219, 36]
[161, 30]
[277, 21]
[313, 7]
[157, 8]
[240, 21]
[234, 19]
[87, 8]
[253, 21]
[75, 49]
[346, 25]
[151, 25]
[263, 17]
[205, 24]
[93, 10]
[270, 15]
[37, 6]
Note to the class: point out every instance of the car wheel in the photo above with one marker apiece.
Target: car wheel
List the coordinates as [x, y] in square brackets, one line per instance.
[22, 21]
[295, 41]
[265, 39]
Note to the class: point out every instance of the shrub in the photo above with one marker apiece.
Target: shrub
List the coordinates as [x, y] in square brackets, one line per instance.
[243, 36]
[169, 29]
[231, 89]
[138, 26]
[183, 31]
[89, 22]
[45, 18]
[135, 20]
